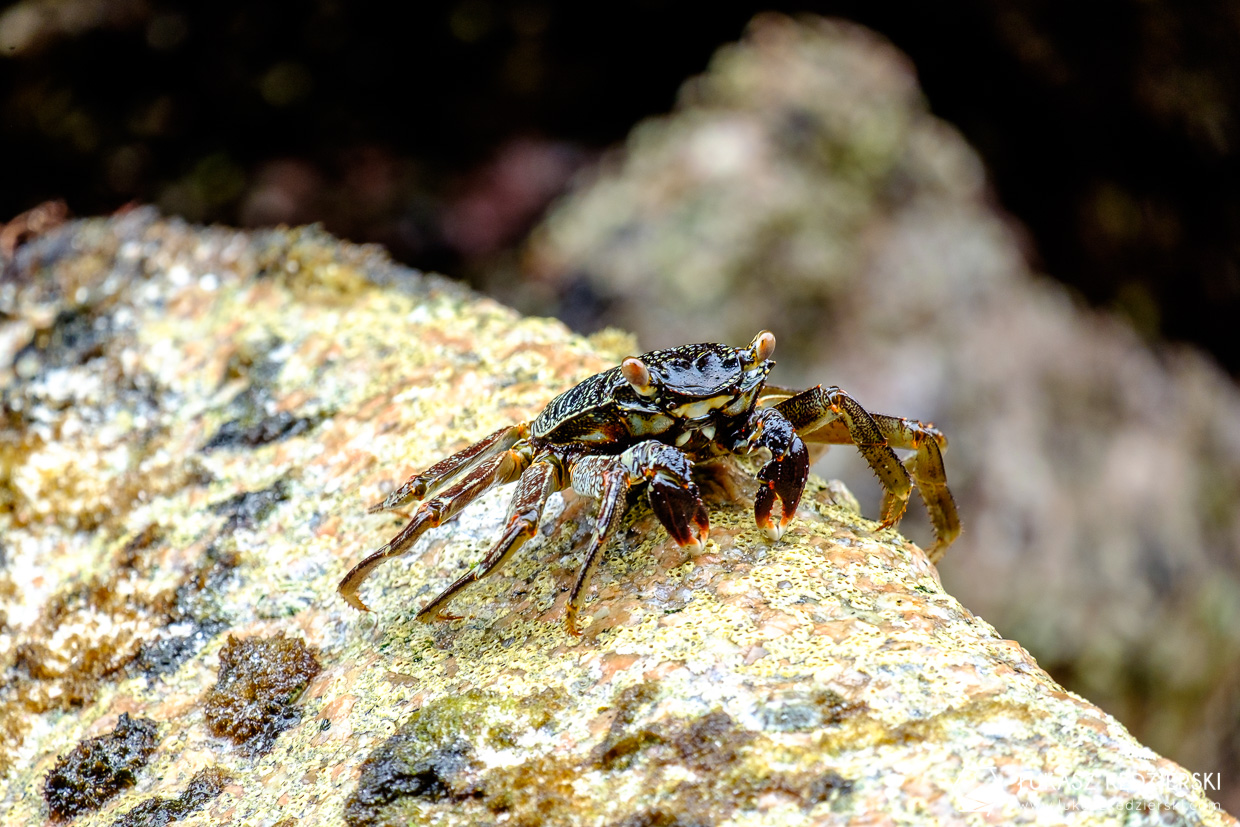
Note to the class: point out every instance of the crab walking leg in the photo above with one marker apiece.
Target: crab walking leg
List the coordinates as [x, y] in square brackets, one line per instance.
[607, 480]
[496, 470]
[672, 493]
[818, 407]
[538, 483]
[783, 476]
[445, 472]
[926, 467]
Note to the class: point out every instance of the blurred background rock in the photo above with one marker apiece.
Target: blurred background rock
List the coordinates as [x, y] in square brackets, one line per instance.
[887, 211]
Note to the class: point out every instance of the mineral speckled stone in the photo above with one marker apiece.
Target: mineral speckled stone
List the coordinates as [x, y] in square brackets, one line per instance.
[803, 183]
[826, 678]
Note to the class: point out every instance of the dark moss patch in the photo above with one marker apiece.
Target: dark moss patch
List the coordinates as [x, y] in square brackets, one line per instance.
[821, 787]
[663, 817]
[75, 337]
[431, 757]
[801, 711]
[623, 750]
[206, 785]
[535, 793]
[709, 743]
[255, 422]
[80, 662]
[38, 678]
[402, 768]
[543, 708]
[249, 508]
[251, 433]
[131, 555]
[164, 655]
[99, 768]
[260, 680]
[620, 744]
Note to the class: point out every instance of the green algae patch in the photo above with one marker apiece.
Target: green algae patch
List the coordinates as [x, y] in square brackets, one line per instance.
[469, 759]
[99, 768]
[431, 757]
[259, 683]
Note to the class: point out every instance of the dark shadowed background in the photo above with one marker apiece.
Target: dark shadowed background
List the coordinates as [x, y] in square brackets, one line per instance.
[444, 131]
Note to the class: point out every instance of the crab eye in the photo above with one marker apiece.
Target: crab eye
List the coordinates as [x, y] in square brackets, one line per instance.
[638, 375]
[762, 346]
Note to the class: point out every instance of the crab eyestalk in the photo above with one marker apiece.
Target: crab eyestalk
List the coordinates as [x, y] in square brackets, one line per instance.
[760, 349]
[637, 375]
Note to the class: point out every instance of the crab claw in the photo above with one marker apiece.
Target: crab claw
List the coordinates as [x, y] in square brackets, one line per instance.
[783, 477]
[680, 509]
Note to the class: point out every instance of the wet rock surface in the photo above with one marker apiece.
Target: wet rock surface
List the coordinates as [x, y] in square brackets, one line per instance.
[824, 678]
[803, 184]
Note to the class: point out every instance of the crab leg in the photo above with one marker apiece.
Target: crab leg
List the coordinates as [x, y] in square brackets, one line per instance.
[817, 408]
[445, 472]
[538, 483]
[673, 497]
[926, 467]
[495, 470]
[605, 479]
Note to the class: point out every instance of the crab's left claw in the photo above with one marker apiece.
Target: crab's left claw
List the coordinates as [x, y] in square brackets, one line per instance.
[784, 475]
[672, 493]
[680, 509]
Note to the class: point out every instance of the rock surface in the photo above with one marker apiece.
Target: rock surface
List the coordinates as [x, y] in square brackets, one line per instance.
[195, 420]
[803, 185]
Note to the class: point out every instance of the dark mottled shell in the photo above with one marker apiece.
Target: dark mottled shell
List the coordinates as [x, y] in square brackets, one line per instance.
[581, 402]
[605, 408]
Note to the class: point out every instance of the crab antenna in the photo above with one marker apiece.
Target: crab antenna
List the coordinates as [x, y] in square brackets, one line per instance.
[763, 345]
[638, 375]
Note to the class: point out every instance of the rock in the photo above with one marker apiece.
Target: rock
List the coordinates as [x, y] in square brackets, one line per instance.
[802, 184]
[825, 677]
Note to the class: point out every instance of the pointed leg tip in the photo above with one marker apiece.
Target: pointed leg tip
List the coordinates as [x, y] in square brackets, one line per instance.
[695, 545]
[773, 531]
[354, 601]
[425, 616]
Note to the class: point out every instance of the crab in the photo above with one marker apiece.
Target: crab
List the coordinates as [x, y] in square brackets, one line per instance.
[645, 423]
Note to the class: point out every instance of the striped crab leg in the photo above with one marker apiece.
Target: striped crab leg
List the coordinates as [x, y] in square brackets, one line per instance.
[831, 416]
[672, 493]
[496, 469]
[537, 483]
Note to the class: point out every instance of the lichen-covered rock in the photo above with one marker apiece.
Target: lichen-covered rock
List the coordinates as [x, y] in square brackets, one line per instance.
[803, 184]
[825, 678]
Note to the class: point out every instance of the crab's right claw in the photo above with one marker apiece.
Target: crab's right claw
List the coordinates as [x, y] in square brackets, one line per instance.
[680, 510]
[783, 477]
